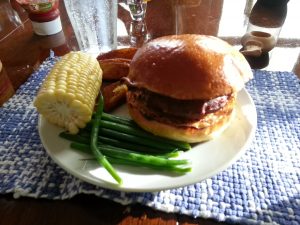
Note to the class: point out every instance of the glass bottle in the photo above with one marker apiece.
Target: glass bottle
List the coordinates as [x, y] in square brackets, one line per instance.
[43, 14]
[265, 23]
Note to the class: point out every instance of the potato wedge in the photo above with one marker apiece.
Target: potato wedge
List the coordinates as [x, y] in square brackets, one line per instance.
[124, 53]
[114, 95]
[114, 69]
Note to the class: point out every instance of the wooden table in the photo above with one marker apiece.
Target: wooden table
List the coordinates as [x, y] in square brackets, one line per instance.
[21, 52]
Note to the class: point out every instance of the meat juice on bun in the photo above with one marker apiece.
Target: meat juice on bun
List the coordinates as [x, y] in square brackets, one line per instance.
[184, 87]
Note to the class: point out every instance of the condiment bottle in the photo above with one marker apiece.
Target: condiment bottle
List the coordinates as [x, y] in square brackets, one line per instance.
[265, 23]
[6, 88]
[44, 15]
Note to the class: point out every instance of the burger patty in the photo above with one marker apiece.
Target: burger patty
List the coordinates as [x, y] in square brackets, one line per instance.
[173, 111]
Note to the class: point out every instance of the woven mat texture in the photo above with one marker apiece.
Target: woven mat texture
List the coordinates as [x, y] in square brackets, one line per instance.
[263, 187]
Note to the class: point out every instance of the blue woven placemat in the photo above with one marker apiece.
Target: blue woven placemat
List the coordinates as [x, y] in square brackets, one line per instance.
[263, 187]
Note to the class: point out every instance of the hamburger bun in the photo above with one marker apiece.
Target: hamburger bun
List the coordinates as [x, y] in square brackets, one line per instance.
[184, 87]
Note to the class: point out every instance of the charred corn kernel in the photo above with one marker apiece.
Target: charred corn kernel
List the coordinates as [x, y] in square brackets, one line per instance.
[67, 96]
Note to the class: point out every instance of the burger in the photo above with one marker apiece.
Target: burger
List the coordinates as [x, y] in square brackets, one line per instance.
[184, 87]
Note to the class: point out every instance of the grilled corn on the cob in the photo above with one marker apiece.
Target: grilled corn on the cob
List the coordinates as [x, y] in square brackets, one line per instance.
[67, 96]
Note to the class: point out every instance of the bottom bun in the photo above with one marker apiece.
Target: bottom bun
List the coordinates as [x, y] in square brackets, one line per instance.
[180, 133]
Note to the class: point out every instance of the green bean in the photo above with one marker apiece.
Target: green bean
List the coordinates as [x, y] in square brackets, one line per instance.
[75, 137]
[129, 126]
[137, 140]
[176, 169]
[134, 147]
[109, 118]
[141, 133]
[94, 143]
[115, 143]
[136, 159]
[119, 120]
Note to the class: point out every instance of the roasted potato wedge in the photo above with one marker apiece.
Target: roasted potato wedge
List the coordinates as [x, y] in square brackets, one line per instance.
[114, 95]
[124, 53]
[114, 69]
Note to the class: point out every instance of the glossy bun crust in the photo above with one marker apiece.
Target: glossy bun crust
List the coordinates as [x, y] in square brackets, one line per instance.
[189, 67]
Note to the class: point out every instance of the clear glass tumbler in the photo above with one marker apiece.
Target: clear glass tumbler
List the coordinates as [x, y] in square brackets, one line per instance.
[138, 33]
[94, 23]
[137, 9]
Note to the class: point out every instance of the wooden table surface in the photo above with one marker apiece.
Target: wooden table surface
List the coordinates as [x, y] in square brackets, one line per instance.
[21, 52]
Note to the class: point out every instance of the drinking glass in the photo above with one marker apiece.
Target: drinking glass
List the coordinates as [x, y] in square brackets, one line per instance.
[9, 19]
[137, 9]
[138, 33]
[94, 23]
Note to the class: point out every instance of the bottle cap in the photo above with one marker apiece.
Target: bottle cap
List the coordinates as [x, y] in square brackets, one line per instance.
[252, 48]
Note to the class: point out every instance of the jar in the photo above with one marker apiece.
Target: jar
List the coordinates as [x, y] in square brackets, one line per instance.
[265, 22]
[6, 88]
[44, 16]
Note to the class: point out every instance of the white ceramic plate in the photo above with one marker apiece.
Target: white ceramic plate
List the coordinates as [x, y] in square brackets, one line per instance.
[207, 158]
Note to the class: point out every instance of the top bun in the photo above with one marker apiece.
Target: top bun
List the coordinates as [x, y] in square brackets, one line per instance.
[189, 67]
